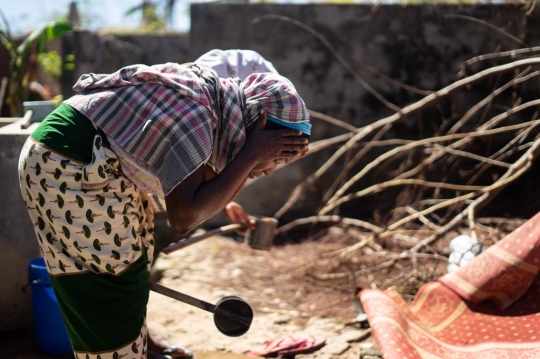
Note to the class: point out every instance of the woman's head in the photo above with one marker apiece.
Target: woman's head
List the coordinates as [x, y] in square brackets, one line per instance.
[284, 109]
[262, 91]
[277, 96]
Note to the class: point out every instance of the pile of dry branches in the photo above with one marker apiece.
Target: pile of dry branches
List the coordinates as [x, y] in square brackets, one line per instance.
[444, 179]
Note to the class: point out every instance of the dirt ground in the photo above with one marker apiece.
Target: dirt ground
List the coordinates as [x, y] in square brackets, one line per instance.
[278, 285]
[297, 289]
[282, 304]
[306, 288]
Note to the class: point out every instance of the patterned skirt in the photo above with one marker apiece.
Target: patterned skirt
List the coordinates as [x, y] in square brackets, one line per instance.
[95, 232]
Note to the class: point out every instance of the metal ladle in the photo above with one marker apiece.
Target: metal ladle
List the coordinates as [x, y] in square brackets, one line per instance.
[232, 314]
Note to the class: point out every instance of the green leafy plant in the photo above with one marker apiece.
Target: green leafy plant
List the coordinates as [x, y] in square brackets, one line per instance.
[20, 57]
[51, 63]
[152, 19]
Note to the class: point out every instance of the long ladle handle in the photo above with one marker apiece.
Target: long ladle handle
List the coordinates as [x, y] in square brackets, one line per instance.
[201, 304]
[192, 240]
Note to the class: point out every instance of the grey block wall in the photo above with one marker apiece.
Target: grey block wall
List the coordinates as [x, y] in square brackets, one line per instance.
[161, 48]
[417, 45]
[96, 53]
[99, 53]
[17, 237]
[420, 46]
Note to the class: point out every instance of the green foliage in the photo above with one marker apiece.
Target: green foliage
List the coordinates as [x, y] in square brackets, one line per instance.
[154, 18]
[19, 57]
[51, 63]
[51, 31]
[69, 62]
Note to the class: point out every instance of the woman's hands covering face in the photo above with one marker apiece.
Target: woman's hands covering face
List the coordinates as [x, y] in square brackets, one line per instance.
[278, 145]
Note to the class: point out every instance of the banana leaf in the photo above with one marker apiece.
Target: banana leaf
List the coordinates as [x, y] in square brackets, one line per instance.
[51, 31]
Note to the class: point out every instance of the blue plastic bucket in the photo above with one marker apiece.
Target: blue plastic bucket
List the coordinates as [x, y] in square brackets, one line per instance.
[51, 333]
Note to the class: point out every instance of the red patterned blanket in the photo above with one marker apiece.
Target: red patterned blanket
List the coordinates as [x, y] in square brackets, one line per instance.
[488, 309]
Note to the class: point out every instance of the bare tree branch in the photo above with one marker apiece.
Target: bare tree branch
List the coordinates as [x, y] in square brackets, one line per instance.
[485, 23]
[333, 121]
[490, 124]
[518, 167]
[398, 116]
[511, 53]
[519, 78]
[336, 219]
[396, 182]
[423, 142]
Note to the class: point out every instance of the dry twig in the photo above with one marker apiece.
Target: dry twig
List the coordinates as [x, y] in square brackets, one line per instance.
[398, 116]
[485, 23]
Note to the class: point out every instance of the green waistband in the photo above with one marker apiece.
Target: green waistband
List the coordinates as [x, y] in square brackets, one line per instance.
[67, 132]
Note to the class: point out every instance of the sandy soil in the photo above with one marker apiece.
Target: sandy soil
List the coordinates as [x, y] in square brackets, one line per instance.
[285, 287]
[278, 284]
[283, 303]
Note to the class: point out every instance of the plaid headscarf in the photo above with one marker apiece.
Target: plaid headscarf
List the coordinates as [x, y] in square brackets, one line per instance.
[176, 117]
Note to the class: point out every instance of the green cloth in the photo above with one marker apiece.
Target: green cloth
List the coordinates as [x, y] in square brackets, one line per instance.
[90, 300]
[67, 132]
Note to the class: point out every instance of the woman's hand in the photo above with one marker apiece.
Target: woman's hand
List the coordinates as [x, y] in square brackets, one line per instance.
[200, 196]
[237, 215]
[281, 146]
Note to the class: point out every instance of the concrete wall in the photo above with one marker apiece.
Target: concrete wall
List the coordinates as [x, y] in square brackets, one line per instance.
[99, 53]
[162, 48]
[17, 237]
[419, 46]
[416, 45]
[96, 53]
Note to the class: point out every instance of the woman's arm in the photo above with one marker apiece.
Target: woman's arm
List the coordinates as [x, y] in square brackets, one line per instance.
[209, 174]
[195, 200]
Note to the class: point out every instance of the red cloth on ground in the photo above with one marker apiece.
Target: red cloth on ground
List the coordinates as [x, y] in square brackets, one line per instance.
[488, 309]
